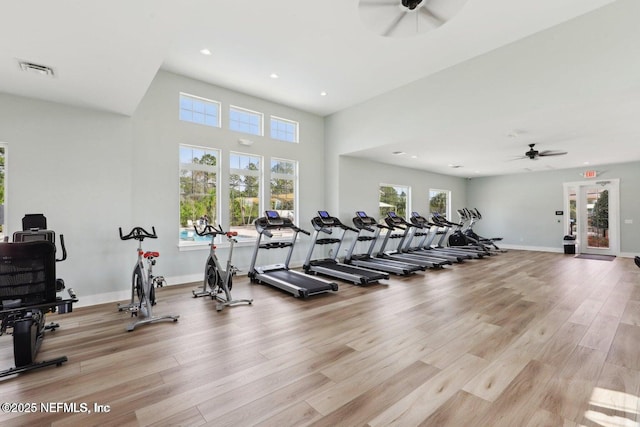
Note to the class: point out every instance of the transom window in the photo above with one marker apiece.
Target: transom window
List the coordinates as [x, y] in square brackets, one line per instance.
[284, 130]
[199, 171]
[199, 110]
[245, 121]
[245, 182]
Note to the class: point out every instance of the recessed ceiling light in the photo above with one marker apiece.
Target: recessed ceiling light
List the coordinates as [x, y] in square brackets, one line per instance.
[323, 93]
[586, 163]
[205, 51]
[414, 157]
[398, 153]
[274, 76]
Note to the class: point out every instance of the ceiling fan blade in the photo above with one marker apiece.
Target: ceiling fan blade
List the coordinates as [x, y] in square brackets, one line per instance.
[432, 15]
[547, 153]
[379, 3]
[394, 24]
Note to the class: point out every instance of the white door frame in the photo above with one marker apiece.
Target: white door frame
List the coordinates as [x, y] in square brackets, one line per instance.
[614, 213]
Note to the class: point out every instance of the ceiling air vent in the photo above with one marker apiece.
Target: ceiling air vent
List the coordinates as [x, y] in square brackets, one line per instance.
[36, 68]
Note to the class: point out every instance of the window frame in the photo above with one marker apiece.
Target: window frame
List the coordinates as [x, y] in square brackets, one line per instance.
[204, 101]
[4, 147]
[260, 193]
[285, 233]
[296, 133]
[395, 187]
[437, 191]
[204, 168]
[235, 108]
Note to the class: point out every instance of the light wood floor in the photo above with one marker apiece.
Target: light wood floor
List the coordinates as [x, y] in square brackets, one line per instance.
[519, 339]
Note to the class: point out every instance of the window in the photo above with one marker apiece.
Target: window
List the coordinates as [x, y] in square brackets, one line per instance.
[245, 176]
[393, 198]
[284, 183]
[245, 121]
[284, 130]
[198, 189]
[199, 110]
[440, 202]
[3, 149]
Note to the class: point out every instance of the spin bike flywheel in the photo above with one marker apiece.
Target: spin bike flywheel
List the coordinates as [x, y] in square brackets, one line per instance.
[137, 282]
[214, 279]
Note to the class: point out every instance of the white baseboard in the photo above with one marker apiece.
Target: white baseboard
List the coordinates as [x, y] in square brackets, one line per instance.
[556, 250]
[531, 248]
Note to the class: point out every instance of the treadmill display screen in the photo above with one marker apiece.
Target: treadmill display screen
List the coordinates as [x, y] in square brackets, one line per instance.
[272, 214]
[361, 214]
[415, 214]
[392, 214]
[324, 214]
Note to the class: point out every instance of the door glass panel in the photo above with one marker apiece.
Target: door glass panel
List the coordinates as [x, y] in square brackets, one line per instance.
[597, 218]
[573, 211]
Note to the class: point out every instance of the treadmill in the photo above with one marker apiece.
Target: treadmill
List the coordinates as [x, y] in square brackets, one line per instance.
[279, 275]
[365, 223]
[426, 239]
[446, 225]
[325, 223]
[394, 221]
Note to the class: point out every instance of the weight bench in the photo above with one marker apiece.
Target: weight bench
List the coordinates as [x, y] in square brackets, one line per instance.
[28, 291]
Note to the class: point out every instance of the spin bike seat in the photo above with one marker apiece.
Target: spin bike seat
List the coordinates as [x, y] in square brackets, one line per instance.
[151, 254]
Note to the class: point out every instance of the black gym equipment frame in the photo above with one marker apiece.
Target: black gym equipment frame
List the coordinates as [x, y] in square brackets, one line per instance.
[280, 275]
[28, 291]
[327, 224]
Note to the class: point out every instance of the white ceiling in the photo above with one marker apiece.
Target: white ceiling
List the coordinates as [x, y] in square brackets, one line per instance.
[105, 55]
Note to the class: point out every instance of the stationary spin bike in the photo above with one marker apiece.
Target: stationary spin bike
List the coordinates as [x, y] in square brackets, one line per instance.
[216, 280]
[143, 282]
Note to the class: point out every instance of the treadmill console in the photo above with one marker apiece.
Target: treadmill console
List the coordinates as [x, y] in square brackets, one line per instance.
[364, 218]
[325, 218]
[394, 218]
[273, 218]
[416, 218]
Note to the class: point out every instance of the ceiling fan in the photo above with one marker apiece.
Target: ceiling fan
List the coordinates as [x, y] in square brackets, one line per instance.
[402, 18]
[533, 154]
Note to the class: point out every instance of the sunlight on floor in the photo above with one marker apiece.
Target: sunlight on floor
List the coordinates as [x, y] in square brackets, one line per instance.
[617, 409]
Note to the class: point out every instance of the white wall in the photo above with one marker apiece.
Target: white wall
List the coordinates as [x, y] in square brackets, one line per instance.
[91, 172]
[359, 189]
[157, 134]
[74, 166]
[521, 208]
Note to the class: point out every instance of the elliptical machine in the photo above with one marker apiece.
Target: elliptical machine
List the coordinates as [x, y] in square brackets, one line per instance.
[217, 280]
[28, 291]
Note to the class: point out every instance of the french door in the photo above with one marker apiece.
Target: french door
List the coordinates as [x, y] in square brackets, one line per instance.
[593, 208]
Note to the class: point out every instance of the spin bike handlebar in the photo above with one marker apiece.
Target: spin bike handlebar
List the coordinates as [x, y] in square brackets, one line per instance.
[210, 230]
[138, 233]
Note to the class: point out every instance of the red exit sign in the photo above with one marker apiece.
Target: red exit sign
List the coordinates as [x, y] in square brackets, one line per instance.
[590, 174]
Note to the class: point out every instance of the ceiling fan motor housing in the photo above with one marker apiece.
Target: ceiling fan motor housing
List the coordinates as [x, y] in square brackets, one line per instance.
[411, 4]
